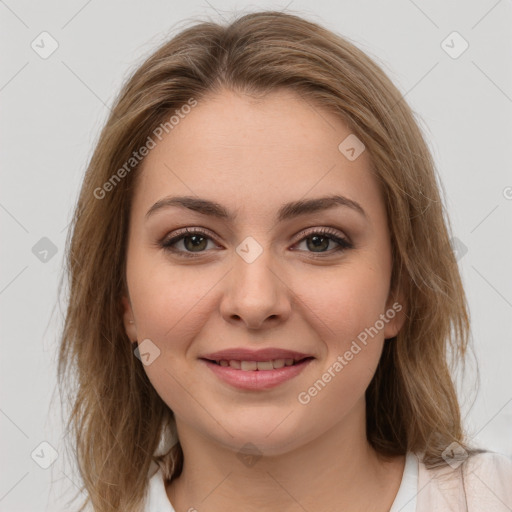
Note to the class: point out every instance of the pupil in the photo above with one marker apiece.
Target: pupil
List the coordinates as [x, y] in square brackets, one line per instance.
[196, 241]
[316, 242]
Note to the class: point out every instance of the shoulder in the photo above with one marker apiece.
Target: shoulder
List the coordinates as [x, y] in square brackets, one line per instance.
[482, 481]
[494, 462]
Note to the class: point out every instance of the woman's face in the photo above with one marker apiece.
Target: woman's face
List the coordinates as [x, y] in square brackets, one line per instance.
[262, 273]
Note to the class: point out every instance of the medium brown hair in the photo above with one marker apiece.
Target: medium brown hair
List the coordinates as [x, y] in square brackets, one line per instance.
[116, 416]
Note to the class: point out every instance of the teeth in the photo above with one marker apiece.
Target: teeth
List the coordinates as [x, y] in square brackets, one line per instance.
[257, 365]
[249, 365]
[265, 365]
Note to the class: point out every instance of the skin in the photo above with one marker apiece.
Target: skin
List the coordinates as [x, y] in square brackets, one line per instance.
[251, 156]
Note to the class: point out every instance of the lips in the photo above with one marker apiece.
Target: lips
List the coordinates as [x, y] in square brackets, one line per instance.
[256, 370]
[272, 364]
[256, 360]
[257, 379]
[244, 354]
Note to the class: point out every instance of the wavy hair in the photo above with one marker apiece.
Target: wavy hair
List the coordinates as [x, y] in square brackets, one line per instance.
[116, 417]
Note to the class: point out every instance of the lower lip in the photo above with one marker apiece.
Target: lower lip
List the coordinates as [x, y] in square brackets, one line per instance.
[256, 379]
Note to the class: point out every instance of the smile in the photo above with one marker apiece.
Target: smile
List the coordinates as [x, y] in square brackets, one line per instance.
[256, 375]
[258, 365]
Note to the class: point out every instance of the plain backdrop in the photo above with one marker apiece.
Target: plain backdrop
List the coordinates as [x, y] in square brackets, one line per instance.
[52, 110]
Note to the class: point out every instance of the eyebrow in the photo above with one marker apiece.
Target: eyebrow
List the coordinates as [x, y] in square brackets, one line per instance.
[286, 211]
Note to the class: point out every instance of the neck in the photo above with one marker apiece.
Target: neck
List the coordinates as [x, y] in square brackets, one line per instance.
[337, 471]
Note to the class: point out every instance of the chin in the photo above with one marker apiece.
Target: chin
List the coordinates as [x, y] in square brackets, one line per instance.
[259, 436]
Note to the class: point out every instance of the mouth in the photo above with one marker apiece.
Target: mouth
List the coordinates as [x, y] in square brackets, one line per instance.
[256, 376]
[268, 365]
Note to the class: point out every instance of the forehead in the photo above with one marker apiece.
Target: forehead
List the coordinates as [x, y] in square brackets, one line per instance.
[279, 122]
[240, 150]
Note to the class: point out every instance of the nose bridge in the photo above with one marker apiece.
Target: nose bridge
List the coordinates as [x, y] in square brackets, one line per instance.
[254, 292]
[253, 267]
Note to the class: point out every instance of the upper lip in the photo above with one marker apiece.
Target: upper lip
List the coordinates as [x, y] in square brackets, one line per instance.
[245, 354]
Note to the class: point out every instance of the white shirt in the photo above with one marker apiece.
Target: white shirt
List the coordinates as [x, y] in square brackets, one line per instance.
[487, 482]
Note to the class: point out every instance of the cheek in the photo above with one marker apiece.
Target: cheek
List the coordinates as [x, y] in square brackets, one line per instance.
[346, 310]
[345, 307]
[344, 301]
[170, 309]
[168, 301]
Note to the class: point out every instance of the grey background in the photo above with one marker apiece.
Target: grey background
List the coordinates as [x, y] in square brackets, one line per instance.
[51, 114]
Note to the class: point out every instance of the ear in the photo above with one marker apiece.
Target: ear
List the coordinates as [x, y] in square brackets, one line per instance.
[396, 313]
[129, 319]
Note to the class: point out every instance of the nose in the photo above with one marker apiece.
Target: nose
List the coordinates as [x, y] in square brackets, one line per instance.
[255, 294]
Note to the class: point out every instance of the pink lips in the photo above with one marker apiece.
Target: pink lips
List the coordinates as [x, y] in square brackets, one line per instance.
[244, 354]
[256, 379]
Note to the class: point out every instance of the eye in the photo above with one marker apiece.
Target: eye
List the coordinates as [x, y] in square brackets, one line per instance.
[195, 240]
[318, 241]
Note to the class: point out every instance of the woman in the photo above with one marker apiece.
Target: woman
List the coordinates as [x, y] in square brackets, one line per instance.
[261, 220]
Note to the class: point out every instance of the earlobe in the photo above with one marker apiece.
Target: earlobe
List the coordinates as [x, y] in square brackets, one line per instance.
[395, 315]
[128, 319]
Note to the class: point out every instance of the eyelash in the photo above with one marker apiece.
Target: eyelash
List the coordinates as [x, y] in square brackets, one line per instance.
[344, 244]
